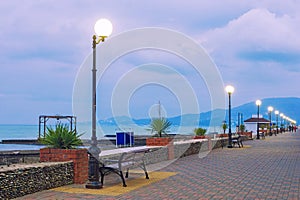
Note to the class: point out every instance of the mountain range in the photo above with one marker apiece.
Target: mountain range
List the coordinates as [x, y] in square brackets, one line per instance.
[290, 107]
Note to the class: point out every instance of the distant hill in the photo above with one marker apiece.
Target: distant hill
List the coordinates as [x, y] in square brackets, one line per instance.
[288, 106]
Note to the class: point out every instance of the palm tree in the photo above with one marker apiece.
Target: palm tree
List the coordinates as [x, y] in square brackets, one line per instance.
[160, 126]
[224, 127]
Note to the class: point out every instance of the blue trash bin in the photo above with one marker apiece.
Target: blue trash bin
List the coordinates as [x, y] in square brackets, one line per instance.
[124, 138]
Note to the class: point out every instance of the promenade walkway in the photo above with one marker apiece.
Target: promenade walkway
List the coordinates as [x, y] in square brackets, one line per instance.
[264, 169]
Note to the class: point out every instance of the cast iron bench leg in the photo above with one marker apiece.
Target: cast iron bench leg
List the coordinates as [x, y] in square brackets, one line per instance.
[102, 177]
[127, 172]
[123, 180]
[146, 173]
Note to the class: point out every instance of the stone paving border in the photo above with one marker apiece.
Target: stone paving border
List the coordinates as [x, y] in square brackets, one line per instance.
[266, 169]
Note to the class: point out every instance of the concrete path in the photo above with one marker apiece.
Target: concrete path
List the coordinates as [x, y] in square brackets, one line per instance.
[264, 169]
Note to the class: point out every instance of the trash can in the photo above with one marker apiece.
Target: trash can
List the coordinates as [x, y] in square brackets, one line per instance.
[124, 139]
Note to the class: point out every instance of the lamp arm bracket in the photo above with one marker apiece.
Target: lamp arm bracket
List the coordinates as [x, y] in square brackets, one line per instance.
[97, 40]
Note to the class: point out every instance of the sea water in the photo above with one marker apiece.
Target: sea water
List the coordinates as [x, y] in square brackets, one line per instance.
[19, 147]
[9, 132]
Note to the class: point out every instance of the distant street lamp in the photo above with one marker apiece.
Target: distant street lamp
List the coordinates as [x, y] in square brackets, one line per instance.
[270, 110]
[229, 89]
[281, 117]
[258, 103]
[284, 123]
[103, 28]
[276, 113]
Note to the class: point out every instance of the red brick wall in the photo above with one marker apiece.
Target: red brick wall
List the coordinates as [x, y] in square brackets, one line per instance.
[222, 135]
[200, 137]
[78, 156]
[156, 141]
[249, 134]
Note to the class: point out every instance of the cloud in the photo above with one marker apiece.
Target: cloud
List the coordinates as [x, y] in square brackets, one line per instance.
[43, 43]
[258, 30]
[258, 52]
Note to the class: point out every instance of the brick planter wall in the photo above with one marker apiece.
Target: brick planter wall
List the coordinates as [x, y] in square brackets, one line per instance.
[222, 135]
[248, 134]
[78, 156]
[199, 137]
[157, 141]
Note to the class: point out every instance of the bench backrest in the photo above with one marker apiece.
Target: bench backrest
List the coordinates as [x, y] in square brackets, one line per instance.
[132, 158]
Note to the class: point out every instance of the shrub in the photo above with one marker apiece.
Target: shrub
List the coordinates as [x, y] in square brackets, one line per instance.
[199, 131]
[242, 128]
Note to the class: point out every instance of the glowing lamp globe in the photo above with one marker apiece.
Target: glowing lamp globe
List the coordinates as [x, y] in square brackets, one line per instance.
[270, 109]
[258, 102]
[103, 28]
[229, 89]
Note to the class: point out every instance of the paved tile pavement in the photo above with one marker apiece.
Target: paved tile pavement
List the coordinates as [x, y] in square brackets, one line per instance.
[264, 169]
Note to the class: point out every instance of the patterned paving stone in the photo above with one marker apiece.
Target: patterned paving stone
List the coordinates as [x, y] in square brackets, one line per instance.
[266, 169]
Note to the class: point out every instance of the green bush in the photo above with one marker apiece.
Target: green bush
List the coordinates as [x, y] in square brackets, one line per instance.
[61, 137]
[242, 128]
[199, 131]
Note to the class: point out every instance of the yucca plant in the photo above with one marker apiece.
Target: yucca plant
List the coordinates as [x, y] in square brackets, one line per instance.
[160, 126]
[61, 137]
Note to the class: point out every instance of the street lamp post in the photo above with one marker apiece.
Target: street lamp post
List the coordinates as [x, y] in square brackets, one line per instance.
[276, 113]
[284, 123]
[229, 89]
[103, 29]
[281, 124]
[258, 103]
[270, 109]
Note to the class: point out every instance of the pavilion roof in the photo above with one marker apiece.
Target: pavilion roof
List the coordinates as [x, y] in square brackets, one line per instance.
[255, 120]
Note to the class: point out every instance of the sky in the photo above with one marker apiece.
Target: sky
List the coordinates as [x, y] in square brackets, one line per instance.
[47, 44]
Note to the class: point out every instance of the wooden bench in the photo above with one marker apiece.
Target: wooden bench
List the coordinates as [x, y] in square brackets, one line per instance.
[126, 161]
[237, 140]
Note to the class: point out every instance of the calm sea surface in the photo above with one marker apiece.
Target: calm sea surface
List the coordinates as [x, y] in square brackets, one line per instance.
[32, 132]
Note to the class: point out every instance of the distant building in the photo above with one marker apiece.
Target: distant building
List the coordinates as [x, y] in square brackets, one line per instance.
[251, 123]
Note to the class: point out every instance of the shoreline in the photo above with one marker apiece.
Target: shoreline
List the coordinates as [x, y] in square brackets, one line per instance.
[103, 143]
[87, 141]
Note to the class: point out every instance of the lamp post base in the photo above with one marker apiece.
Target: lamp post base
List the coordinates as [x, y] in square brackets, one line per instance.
[93, 173]
[229, 146]
[93, 185]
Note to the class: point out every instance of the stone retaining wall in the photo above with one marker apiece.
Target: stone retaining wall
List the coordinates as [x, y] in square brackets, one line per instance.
[19, 180]
[8, 158]
[178, 150]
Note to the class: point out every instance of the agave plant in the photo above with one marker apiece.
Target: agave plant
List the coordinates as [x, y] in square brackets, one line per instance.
[61, 137]
[160, 126]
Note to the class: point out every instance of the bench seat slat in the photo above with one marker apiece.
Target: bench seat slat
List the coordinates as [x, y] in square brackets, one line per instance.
[126, 161]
